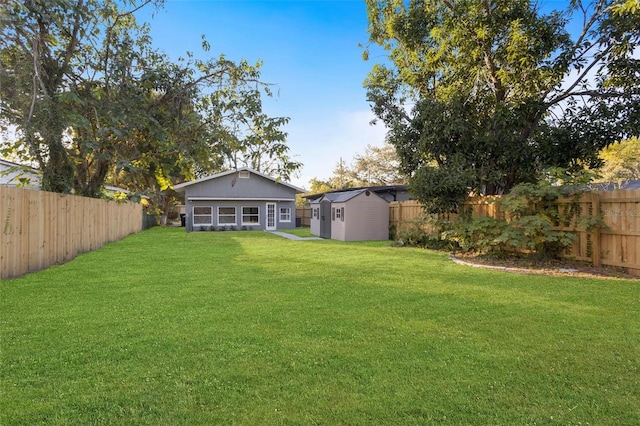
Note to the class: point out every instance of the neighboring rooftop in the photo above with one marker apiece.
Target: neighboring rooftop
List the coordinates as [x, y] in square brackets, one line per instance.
[610, 186]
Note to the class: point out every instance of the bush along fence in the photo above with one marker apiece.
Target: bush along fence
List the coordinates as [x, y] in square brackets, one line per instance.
[40, 229]
[605, 229]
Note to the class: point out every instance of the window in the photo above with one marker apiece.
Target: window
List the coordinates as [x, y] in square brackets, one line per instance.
[202, 216]
[315, 212]
[285, 214]
[244, 174]
[339, 214]
[250, 216]
[226, 215]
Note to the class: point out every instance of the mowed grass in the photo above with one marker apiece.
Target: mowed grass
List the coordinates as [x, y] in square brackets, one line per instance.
[209, 328]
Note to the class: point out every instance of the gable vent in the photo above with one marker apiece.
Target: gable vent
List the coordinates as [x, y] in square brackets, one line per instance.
[244, 174]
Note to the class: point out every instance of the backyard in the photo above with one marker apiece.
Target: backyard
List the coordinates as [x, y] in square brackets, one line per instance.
[168, 327]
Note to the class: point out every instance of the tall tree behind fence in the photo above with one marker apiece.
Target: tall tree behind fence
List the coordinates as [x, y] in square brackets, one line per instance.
[40, 229]
[617, 244]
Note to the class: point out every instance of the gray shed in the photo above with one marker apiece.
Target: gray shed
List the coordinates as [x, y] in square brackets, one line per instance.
[239, 199]
[355, 215]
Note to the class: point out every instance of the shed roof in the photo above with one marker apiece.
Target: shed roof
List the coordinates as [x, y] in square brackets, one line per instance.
[343, 196]
[181, 186]
[382, 189]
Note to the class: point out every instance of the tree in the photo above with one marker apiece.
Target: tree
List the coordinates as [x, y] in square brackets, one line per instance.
[377, 166]
[39, 46]
[492, 93]
[621, 161]
[95, 103]
[319, 186]
[246, 136]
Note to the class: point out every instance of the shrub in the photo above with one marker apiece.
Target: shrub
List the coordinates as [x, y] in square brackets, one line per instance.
[531, 213]
[425, 231]
[479, 234]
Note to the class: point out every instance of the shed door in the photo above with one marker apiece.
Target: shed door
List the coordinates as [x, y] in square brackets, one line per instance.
[325, 219]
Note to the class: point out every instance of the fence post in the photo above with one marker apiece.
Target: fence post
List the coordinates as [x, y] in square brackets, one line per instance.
[595, 236]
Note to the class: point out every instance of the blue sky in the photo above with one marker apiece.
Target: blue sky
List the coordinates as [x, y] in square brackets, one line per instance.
[309, 50]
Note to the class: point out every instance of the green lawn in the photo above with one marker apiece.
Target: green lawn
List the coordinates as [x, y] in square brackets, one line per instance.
[170, 328]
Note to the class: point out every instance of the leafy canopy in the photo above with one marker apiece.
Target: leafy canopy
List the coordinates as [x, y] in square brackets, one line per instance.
[482, 95]
[93, 102]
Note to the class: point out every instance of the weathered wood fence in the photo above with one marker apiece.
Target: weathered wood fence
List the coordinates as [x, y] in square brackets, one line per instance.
[618, 244]
[40, 229]
[304, 214]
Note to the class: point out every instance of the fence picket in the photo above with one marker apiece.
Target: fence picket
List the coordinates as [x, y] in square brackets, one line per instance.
[618, 244]
[39, 229]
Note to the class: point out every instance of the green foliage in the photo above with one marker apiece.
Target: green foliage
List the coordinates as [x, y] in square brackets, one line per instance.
[480, 96]
[426, 231]
[532, 215]
[535, 234]
[440, 189]
[621, 161]
[95, 103]
[245, 136]
[479, 234]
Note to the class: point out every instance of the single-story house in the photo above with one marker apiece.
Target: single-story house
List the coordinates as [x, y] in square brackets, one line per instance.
[239, 199]
[351, 215]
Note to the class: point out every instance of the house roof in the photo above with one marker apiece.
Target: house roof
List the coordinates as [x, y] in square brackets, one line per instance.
[377, 189]
[180, 187]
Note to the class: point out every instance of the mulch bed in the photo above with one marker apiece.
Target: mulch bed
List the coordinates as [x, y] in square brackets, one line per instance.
[533, 265]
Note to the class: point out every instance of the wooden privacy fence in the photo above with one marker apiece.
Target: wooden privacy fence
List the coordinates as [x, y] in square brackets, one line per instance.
[40, 229]
[617, 244]
[304, 214]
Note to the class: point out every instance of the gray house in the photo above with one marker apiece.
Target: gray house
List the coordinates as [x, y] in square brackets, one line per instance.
[353, 215]
[238, 199]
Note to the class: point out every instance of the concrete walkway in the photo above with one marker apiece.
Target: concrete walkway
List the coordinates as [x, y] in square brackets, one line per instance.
[293, 237]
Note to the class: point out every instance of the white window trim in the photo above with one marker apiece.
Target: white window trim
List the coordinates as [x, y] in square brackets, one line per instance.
[280, 214]
[193, 215]
[242, 215]
[235, 215]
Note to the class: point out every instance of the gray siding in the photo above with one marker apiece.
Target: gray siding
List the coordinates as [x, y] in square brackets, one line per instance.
[238, 205]
[253, 187]
[231, 190]
[365, 218]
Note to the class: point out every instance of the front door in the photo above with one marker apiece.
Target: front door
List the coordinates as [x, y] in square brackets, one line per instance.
[271, 217]
[325, 219]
